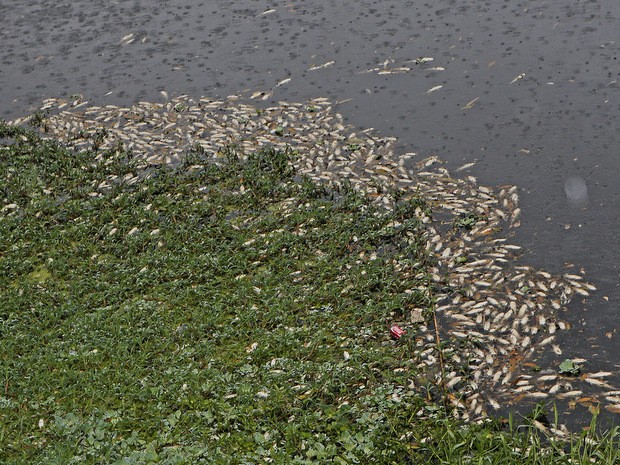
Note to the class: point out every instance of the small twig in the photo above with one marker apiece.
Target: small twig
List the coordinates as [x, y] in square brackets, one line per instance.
[438, 343]
[439, 351]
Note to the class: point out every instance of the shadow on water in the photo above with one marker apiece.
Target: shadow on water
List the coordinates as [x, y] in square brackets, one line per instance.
[528, 90]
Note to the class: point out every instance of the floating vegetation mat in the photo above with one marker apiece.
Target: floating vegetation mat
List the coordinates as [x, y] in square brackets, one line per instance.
[493, 320]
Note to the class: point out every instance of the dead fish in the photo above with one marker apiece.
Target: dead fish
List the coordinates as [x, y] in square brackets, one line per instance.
[494, 403]
[573, 277]
[546, 341]
[555, 388]
[598, 383]
[433, 89]
[421, 60]
[470, 104]
[466, 165]
[324, 65]
[566, 395]
[454, 381]
[600, 374]
[282, 82]
[129, 38]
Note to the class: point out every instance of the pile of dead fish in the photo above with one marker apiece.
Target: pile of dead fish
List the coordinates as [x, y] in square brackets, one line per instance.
[495, 318]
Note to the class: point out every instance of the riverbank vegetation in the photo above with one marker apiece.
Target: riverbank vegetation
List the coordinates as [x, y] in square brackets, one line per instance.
[230, 312]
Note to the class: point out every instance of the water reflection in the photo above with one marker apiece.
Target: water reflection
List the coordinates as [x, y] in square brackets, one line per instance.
[576, 192]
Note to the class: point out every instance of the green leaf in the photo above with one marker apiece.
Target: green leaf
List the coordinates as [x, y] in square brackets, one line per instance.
[569, 367]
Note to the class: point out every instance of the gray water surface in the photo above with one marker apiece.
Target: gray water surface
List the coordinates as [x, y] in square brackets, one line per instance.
[542, 77]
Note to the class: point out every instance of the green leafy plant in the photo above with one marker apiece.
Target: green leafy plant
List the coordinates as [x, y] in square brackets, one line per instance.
[569, 367]
[466, 221]
[224, 312]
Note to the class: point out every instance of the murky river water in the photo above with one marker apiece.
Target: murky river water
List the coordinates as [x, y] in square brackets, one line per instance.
[529, 93]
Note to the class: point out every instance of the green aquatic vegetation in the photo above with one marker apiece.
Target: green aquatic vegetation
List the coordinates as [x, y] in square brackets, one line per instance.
[216, 313]
[466, 221]
[202, 313]
[528, 443]
[569, 367]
